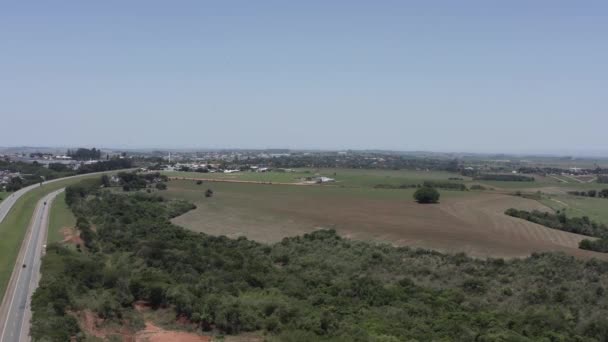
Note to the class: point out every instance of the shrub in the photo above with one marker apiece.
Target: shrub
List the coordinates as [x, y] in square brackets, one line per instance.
[426, 195]
[599, 245]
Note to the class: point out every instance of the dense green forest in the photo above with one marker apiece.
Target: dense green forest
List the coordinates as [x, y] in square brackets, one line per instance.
[316, 287]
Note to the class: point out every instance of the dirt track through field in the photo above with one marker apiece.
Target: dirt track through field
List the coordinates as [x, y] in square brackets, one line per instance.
[473, 223]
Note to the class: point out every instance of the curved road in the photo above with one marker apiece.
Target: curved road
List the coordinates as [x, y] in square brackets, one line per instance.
[15, 311]
[16, 325]
[7, 204]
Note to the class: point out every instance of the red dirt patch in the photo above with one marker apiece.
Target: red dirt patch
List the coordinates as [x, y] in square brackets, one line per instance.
[91, 323]
[152, 333]
[71, 235]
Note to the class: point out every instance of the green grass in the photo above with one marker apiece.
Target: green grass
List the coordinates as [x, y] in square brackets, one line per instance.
[3, 195]
[595, 208]
[539, 183]
[61, 217]
[371, 177]
[14, 226]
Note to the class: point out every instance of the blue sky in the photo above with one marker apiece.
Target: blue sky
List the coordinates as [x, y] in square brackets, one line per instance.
[480, 76]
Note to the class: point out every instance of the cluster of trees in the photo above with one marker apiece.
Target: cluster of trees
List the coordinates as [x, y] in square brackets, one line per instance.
[504, 177]
[136, 181]
[316, 287]
[590, 193]
[35, 173]
[106, 165]
[541, 170]
[30, 174]
[445, 185]
[559, 220]
[426, 195]
[401, 186]
[599, 245]
[85, 154]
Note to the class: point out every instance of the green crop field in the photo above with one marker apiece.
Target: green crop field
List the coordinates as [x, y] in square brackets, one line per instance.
[595, 208]
[556, 182]
[61, 217]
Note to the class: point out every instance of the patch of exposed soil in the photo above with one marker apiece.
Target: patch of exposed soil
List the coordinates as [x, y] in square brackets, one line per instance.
[153, 333]
[92, 325]
[71, 235]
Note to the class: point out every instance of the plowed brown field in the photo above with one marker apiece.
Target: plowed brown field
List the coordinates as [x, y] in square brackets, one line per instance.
[473, 223]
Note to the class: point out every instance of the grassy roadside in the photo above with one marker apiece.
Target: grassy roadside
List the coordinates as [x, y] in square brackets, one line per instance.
[60, 217]
[14, 226]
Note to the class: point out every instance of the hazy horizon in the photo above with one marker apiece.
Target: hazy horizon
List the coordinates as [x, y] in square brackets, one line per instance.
[473, 76]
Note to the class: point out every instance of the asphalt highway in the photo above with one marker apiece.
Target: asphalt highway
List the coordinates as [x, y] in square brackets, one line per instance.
[15, 311]
[16, 325]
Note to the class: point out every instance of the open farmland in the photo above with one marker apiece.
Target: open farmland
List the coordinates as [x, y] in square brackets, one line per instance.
[593, 207]
[373, 177]
[470, 222]
[343, 177]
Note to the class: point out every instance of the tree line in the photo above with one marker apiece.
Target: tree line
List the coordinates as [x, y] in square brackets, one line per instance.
[590, 193]
[504, 177]
[578, 225]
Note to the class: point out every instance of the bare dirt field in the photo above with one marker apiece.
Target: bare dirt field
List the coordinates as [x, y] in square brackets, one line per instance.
[468, 222]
